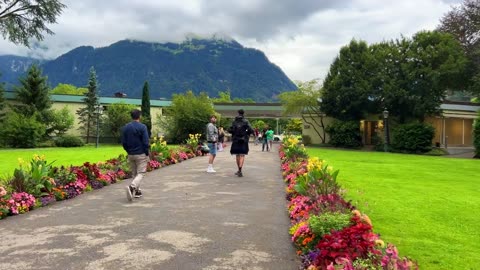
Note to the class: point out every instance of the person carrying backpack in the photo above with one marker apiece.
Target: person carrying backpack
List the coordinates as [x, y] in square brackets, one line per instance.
[241, 131]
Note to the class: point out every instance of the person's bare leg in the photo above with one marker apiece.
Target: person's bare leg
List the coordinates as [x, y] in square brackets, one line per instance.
[240, 160]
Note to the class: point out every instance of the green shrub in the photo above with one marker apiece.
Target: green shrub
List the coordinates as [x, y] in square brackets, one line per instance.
[306, 139]
[344, 134]
[68, 141]
[328, 221]
[21, 131]
[436, 152]
[476, 136]
[413, 138]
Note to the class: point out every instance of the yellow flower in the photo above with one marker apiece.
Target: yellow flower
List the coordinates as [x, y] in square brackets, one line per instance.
[380, 243]
[21, 162]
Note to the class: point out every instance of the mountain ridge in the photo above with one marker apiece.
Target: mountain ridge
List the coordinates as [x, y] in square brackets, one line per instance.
[200, 65]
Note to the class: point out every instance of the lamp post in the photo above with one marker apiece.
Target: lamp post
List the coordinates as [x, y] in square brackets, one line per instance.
[98, 111]
[277, 126]
[385, 127]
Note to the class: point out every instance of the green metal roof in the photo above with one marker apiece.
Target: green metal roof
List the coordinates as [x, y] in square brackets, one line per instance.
[103, 100]
[264, 110]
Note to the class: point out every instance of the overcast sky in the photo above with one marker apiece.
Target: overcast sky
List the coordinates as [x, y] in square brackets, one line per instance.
[302, 37]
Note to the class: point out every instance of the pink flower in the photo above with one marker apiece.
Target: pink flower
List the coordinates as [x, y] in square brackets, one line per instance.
[3, 192]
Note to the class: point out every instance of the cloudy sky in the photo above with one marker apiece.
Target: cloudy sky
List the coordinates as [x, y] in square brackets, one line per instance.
[302, 36]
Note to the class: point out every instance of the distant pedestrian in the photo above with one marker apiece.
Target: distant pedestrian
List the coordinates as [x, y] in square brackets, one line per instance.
[135, 141]
[221, 139]
[241, 131]
[212, 140]
[269, 135]
[256, 134]
[264, 140]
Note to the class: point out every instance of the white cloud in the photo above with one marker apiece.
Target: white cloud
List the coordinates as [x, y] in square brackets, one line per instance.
[301, 37]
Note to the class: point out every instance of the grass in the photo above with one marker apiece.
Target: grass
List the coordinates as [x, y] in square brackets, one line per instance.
[61, 156]
[429, 207]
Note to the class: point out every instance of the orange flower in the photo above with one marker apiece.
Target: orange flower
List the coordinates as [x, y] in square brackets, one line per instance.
[366, 219]
[306, 241]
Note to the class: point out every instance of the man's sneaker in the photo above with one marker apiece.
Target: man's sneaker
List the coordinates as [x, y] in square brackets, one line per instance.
[240, 174]
[138, 193]
[130, 192]
[210, 170]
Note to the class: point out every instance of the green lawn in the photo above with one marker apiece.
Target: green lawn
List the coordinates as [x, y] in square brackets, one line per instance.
[429, 207]
[61, 156]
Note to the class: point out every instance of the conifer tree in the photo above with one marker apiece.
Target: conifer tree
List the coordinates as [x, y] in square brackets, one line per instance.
[2, 101]
[87, 115]
[146, 116]
[33, 93]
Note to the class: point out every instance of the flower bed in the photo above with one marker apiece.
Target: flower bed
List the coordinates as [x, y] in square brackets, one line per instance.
[327, 231]
[37, 183]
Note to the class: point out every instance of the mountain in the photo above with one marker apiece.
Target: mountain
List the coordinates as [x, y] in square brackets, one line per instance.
[209, 65]
[12, 67]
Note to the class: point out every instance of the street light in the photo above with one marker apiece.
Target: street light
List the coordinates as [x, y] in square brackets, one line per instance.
[98, 111]
[277, 125]
[385, 127]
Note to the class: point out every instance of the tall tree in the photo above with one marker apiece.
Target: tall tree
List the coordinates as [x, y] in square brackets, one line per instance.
[21, 20]
[146, 115]
[87, 115]
[305, 102]
[432, 63]
[463, 22]
[188, 114]
[347, 88]
[2, 100]
[33, 93]
[116, 116]
[223, 97]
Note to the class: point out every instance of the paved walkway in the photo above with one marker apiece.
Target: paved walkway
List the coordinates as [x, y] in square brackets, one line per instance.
[187, 219]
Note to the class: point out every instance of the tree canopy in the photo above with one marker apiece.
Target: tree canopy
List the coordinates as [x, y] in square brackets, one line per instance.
[188, 114]
[409, 77]
[87, 115]
[305, 102]
[463, 22]
[21, 20]
[68, 89]
[33, 93]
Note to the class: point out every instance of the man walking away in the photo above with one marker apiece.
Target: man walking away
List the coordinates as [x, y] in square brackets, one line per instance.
[212, 139]
[241, 131]
[135, 141]
[269, 135]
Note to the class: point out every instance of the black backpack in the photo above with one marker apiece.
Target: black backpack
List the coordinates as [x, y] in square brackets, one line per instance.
[240, 130]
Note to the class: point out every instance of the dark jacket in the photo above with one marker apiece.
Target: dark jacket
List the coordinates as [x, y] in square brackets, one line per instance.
[135, 138]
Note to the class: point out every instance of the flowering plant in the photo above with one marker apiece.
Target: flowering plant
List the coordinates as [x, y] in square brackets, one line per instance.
[3, 209]
[318, 180]
[302, 237]
[192, 141]
[182, 155]
[59, 193]
[327, 230]
[20, 203]
[152, 165]
[159, 148]
[292, 149]
[3, 191]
